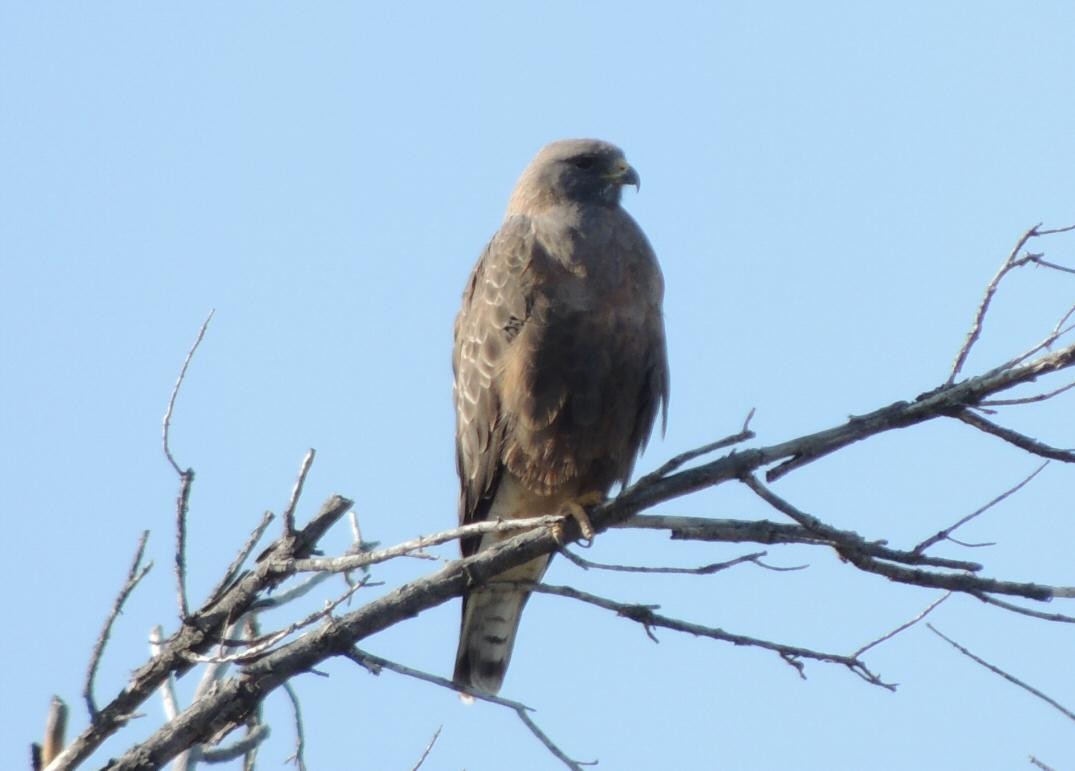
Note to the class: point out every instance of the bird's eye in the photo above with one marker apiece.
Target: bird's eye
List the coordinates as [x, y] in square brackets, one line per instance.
[583, 162]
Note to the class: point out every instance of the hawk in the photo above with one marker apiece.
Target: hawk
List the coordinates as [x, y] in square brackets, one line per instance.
[560, 370]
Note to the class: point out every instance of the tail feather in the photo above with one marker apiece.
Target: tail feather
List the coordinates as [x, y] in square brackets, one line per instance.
[490, 622]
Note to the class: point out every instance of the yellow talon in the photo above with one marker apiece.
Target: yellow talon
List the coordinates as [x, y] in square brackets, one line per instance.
[575, 510]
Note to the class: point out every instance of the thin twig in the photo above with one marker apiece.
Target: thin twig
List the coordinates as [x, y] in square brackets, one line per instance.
[1010, 678]
[704, 570]
[1035, 762]
[240, 558]
[374, 664]
[426, 751]
[970, 545]
[1058, 331]
[299, 590]
[296, 491]
[268, 640]
[175, 393]
[169, 700]
[944, 534]
[134, 574]
[1054, 266]
[1027, 399]
[901, 627]
[300, 735]
[1054, 231]
[685, 457]
[1021, 610]
[254, 737]
[1021, 441]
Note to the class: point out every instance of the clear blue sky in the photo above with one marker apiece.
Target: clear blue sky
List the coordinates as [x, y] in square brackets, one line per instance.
[828, 185]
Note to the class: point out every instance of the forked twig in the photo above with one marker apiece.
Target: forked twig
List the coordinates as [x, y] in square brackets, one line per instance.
[942, 535]
[374, 665]
[134, 574]
[648, 618]
[185, 477]
[1013, 261]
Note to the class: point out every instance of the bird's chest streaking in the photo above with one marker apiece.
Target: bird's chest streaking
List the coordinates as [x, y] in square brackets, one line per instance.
[572, 377]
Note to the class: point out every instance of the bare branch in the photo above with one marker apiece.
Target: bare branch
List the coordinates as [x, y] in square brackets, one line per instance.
[364, 559]
[944, 534]
[227, 707]
[213, 619]
[943, 401]
[134, 574]
[959, 582]
[300, 735]
[426, 751]
[767, 532]
[645, 615]
[1010, 678]
[186, 479]
[167, 423]
[1021, 441]
[296, 491]
[901, 627]
[1035, 762]
[374, 664]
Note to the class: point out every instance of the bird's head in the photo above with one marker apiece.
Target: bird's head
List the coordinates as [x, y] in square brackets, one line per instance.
[586, 171]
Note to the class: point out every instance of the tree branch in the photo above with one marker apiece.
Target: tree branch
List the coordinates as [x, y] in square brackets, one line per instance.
[645, 615]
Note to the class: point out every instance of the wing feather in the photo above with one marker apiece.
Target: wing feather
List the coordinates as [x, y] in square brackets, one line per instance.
[495, 307]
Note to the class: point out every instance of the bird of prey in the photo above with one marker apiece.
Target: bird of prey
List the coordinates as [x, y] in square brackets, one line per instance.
[560, 370]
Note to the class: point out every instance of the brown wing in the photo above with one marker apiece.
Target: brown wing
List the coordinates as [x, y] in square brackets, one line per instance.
[496, 304]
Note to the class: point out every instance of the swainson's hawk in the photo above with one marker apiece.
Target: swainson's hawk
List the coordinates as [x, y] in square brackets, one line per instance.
[560, 370]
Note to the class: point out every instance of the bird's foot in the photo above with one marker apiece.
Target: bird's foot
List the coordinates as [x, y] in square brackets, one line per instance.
[576, 511]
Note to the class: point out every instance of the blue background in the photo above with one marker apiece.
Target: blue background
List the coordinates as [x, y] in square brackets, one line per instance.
[829, 187]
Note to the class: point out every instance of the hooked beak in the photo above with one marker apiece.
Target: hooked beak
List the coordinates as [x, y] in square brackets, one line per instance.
[625, 174]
